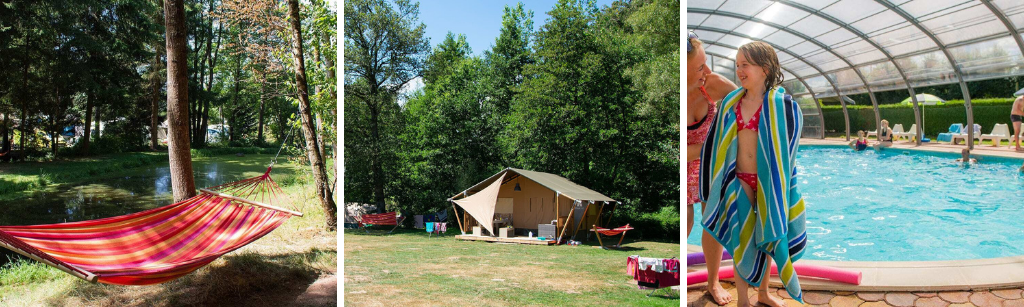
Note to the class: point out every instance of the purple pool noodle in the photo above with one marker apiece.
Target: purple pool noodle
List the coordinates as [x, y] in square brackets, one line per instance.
[698, 258]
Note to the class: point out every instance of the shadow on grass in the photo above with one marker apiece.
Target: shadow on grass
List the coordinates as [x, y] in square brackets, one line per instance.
[245, 279]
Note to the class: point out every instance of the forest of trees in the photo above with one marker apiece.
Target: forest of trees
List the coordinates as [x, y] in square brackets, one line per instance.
[101, 73]
[102, 63]
[591, 95]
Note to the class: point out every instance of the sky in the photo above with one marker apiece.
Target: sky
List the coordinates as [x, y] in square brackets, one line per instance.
[479, 20]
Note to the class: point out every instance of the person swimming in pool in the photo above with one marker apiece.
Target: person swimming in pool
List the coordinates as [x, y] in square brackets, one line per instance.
[861, 142]
[748, 176]
[965, 157]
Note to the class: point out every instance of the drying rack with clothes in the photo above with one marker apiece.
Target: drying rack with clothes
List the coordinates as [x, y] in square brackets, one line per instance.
[653, 273]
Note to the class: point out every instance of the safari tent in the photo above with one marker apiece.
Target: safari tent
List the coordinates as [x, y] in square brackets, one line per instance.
[526, 200]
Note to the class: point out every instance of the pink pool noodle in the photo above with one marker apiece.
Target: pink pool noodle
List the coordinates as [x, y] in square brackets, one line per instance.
[698, 258]
[830, 273]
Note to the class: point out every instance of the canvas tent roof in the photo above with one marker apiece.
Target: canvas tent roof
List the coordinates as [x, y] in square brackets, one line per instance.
[480, 199]
[551, 181]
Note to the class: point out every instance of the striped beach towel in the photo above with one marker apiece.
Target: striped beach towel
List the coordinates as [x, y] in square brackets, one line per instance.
[776, 228]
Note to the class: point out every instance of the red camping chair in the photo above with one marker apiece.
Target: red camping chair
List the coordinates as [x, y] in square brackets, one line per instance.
[390, 218]
[611, 232]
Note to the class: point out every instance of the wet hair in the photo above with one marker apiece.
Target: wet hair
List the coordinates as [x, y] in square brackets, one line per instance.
[762, 54]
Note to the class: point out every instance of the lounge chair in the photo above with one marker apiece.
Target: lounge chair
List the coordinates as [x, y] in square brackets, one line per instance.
[909, 134]
[999, 132]
[963, 134]
[948, 136]
[896, 130]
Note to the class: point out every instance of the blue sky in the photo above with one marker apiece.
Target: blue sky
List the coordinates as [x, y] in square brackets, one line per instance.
[479, 20]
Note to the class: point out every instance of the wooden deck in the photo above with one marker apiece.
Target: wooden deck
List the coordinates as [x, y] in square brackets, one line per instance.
[520, 240]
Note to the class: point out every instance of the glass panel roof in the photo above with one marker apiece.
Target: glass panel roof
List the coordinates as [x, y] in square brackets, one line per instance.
[848, 82]
[927, 69]
[722, 22]
[816, 4]
[745, 7]
[849, 11]
[879, 21]
[882, 76]
[836, 36]
[695, 18]
[782, 14]
[988, 59]
[820, 86]
[1014, 10]
[813, 26]
[876, 40]
[783, 38]
[755, 29]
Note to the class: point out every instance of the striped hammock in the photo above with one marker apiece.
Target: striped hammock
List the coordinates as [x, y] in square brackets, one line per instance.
[156, 245]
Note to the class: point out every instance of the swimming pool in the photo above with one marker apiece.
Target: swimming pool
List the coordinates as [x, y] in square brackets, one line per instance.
[907, 205]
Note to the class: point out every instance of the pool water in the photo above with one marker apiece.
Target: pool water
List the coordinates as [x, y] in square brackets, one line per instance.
[907, 205]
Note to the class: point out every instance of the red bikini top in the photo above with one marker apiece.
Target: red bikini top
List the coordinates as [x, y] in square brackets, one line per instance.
[751, 122]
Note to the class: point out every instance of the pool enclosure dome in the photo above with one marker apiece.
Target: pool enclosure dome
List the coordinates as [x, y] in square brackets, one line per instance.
[835, 48]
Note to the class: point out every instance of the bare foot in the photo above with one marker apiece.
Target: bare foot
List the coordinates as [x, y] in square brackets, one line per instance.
[1020, 149]
[769, 300]
[743, 302]
[718, 293]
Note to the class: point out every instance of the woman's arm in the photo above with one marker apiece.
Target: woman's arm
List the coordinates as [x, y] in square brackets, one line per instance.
[718, 86]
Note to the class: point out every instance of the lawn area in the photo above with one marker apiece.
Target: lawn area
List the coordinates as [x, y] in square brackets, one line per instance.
[408, 269]
[272, 271]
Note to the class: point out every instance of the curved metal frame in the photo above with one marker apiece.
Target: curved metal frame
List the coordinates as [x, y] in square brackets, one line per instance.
[1001, 16]
[821, 45]
[888, 56]
[952, 62]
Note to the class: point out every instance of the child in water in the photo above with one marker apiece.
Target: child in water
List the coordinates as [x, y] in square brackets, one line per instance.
[861, 143]
[965, 157]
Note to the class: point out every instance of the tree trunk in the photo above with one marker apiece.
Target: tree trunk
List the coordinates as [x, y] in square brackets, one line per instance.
[259, 128]
[98, 120]
[88, 120]
[331, 76]
[154, 104]
[323, 190]
[24, 124]
[234, 98]
[3, 134]
[24, 101]
[204, 126]
[375, 163]
[178, 149]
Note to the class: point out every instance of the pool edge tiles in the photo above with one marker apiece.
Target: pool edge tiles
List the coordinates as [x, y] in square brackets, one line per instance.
[917, 276]
[982, 156]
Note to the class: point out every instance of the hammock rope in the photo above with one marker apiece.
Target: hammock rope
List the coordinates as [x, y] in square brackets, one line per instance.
[156, 245]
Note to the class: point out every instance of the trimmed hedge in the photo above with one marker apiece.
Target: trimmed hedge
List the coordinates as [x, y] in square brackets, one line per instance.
[937, 119]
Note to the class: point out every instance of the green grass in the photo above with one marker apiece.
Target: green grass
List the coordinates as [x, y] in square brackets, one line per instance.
[20, 271]
[407, 268]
